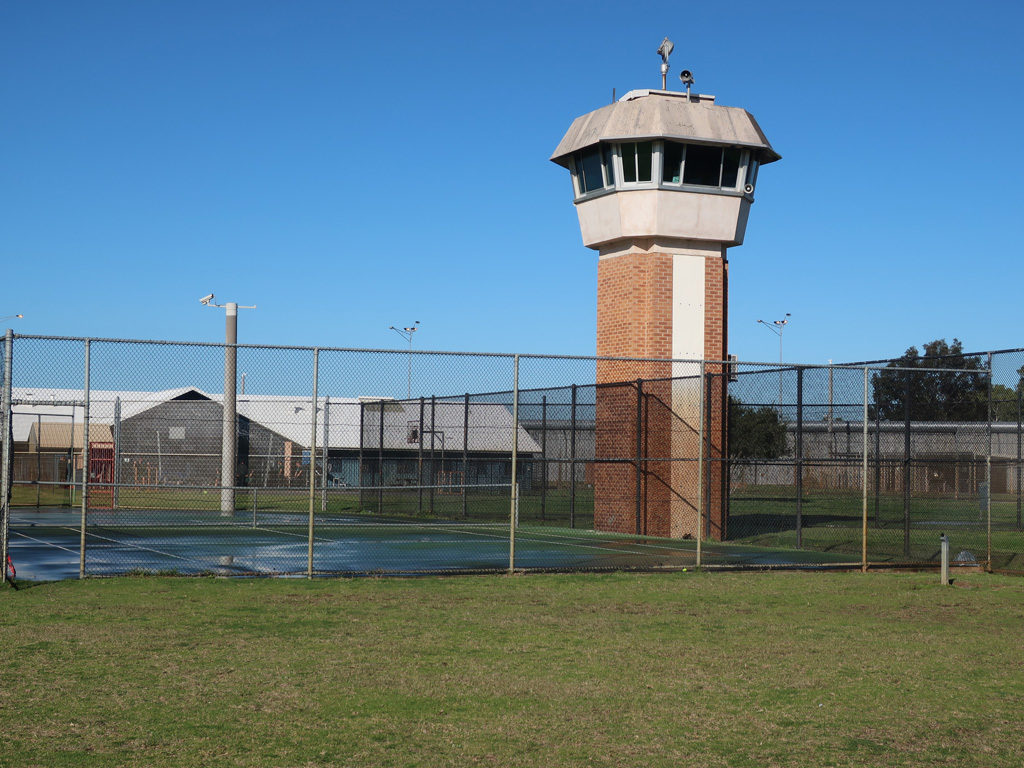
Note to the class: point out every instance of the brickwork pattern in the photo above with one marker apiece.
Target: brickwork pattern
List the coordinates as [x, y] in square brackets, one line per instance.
[634, 319]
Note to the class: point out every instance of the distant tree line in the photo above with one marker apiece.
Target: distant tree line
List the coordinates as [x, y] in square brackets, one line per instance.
[755, 432]
[943, 384]
[940, 384]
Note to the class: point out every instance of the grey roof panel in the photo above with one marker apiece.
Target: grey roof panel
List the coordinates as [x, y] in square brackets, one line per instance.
[661, 114]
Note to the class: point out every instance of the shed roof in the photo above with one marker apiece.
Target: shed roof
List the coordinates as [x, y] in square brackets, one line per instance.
[490, 424]
[665, 114]
[59, 436]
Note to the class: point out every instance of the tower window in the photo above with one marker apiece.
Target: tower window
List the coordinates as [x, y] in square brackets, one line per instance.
[752, 173]
[594, 169]
[636, 160]
[672, 165]
[703, 165]
[730, 167]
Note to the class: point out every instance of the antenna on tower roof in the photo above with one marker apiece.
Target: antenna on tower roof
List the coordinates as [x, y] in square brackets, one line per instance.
[665, 50]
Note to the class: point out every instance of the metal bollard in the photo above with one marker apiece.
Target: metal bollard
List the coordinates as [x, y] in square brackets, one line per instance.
[944, 549]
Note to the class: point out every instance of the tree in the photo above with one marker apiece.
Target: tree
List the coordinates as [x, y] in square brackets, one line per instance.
[755, 433]
[1004, 399]
[943, 384]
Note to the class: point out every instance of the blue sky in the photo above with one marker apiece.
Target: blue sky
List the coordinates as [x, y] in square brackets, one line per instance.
[348, 167]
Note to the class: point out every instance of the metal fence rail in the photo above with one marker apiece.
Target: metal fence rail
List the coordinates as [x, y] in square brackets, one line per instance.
[378, 461]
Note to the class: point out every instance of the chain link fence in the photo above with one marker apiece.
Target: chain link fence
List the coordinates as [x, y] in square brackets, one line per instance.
[125, 456]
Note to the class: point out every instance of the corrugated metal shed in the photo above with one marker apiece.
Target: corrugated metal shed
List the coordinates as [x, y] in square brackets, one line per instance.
[101, 406]
[664, 114]
[57, 436]
[490, 425]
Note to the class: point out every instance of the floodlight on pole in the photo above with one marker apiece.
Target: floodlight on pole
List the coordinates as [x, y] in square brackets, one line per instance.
[777, 327]
[407, 334]
[229, 425]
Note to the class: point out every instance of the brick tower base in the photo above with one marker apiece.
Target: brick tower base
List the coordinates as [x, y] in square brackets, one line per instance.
[667, 305]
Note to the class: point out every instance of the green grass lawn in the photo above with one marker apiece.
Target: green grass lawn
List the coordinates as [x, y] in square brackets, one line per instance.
[781, 669]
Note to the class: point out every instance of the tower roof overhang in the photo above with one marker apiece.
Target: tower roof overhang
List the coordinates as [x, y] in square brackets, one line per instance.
[665, 115]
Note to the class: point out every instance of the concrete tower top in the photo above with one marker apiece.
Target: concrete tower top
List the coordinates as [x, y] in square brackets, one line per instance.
[646, 114]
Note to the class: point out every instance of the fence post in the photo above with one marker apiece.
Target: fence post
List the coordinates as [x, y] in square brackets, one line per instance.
[878, 461]
[362, 429]
[572, 459]
[799, 457]
[465, 454]
[117, 453]
[324, 470]
[639, 453]
[419, 462]
[85, 462]
[700, 467]
[1020, 392]
[864, 482]
[312, 463]
[433, 439]
[544, 455]
[39, 461]
[988, 470]
[709, 423]
[5, 473]
[906, 468]
[380, 462]
[515, 453]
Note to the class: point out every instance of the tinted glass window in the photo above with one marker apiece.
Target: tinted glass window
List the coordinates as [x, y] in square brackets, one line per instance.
[702, 165]
[751, 172]
[628, 152]
[609, 166]
[671, 171]
[590, 170]
[730, 167]
[644, 156]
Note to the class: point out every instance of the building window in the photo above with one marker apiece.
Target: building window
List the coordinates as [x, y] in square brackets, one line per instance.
[701, 165]
[609, 165]
[667, 163]
[730, 167]
[751, 178]
[672, 165]
[636, 161]
[637, 157]
[594, 169]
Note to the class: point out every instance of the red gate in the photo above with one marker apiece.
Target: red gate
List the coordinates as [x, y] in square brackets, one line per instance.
[101, 475]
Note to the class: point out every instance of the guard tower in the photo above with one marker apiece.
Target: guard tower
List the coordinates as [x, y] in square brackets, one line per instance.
[663, 182]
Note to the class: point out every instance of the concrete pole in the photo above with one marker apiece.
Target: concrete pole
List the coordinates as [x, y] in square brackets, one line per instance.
[229, 444]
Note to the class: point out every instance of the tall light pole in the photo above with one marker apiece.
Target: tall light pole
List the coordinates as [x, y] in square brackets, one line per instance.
[777, 327]
[228, 462]
[407, 334]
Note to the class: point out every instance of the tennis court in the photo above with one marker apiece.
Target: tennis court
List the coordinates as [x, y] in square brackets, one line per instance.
[46, 544]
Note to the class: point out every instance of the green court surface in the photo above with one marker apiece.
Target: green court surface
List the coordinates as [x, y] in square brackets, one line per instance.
[45, 545]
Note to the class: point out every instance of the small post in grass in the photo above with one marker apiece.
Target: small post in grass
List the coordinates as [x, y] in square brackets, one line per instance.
[944, 550]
